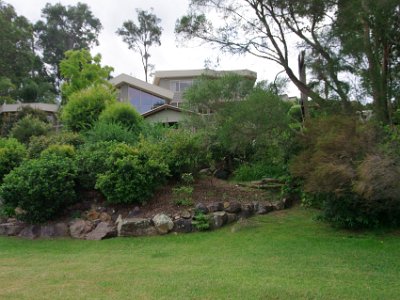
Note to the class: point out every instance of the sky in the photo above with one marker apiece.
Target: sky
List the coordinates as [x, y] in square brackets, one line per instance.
[171, 55]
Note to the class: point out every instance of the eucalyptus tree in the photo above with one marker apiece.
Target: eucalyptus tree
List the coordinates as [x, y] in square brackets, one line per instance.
[65, 28]
[140, 37]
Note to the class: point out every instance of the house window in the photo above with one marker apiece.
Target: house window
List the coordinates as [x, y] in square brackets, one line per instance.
[143, 101]
[180, 85]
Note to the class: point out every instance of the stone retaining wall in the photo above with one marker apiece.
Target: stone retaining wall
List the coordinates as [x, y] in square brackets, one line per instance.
[100, 226]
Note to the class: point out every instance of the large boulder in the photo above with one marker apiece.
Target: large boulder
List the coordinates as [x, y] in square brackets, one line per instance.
[230, 218]
[215, 206]
[163, 223]
[202, 208]
[264, 208]
[54, 230]
[183, 226]
[247, 210]
[102, 231]
[11, 228]
[30, 232]
[218, 219]
[135, 227]
[232, 207]
[79, 228]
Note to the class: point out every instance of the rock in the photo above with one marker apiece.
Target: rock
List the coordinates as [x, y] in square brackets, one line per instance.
[230, 218]
[102, 231]
[163, 223]
[19, 211]
[206, 171]
[105, 217]
[218, 219]
[221, 174]
[232, 207]
[287, 202]
[183, 226]
[79, 228]
[134, 213]
[278, 205]
[136, 227]
[264, 208]
[92, 215]
[201, 207]
[30, 232]
[247, 210]
[11, 228]
[54, 230]
[185, 214]
[216, 206]
[3, 220]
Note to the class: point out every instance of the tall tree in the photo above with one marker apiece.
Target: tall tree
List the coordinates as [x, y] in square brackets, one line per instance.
[65, 28]
[142, 36]
[80, 70]
[271, 29]
[16, 55]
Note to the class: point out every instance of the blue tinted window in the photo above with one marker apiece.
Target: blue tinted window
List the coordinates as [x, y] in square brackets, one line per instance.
[143, 101]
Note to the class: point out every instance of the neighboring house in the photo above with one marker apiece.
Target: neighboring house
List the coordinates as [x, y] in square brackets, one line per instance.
[162, 100]
[7, 110]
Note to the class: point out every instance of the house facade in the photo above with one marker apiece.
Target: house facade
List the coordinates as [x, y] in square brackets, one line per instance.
[162, 101]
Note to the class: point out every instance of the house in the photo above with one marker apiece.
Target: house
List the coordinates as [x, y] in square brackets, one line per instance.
[162, 100]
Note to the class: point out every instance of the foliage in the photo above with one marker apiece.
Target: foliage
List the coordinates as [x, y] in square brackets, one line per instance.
[80, 70]
[258, 170]
[142, 36]
[181, 150]
[84, 107]
[12, 153]
[103, 132]
[348, 173]
[124, 114]
[39, 143]
[131, 176]
[65, 28]
[92, 161]
[340, 40]
[200, 221]
[28, 127]
[42, 188]
[59, 150]
[183, 195]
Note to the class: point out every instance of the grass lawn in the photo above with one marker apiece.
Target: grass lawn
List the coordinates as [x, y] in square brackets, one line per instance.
[283, 255]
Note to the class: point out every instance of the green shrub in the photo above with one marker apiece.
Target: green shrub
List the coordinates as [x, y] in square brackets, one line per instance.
[108, 132]
[348, 173]
[131, 176]
[92, 161]
[42, 188]
[182, 151]
[28, 127]
[59, 150]
[258, 170]
[183, 195]
[12, 153]
[39, 143]
[200, 221]
[84, 107]
[124, 114]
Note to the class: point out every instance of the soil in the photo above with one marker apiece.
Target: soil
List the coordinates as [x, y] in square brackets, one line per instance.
[206, 190]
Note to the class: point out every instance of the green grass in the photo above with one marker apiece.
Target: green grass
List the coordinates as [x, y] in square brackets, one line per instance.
[284, 255]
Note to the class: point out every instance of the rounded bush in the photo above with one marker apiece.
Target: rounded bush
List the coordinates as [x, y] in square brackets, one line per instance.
[123, 114]
[42, 188]
[12, 153]
[84, 107]
[131, 177]
[59, 150]
[109, 132]
[28, 127]
[92, 161]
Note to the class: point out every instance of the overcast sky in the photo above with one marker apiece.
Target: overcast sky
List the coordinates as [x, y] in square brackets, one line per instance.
[169, 56]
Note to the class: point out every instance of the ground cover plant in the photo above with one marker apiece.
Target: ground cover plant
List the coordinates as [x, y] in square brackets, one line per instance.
[283, 255]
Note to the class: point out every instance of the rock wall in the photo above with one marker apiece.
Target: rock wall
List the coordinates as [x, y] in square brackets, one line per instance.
[98, 226]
